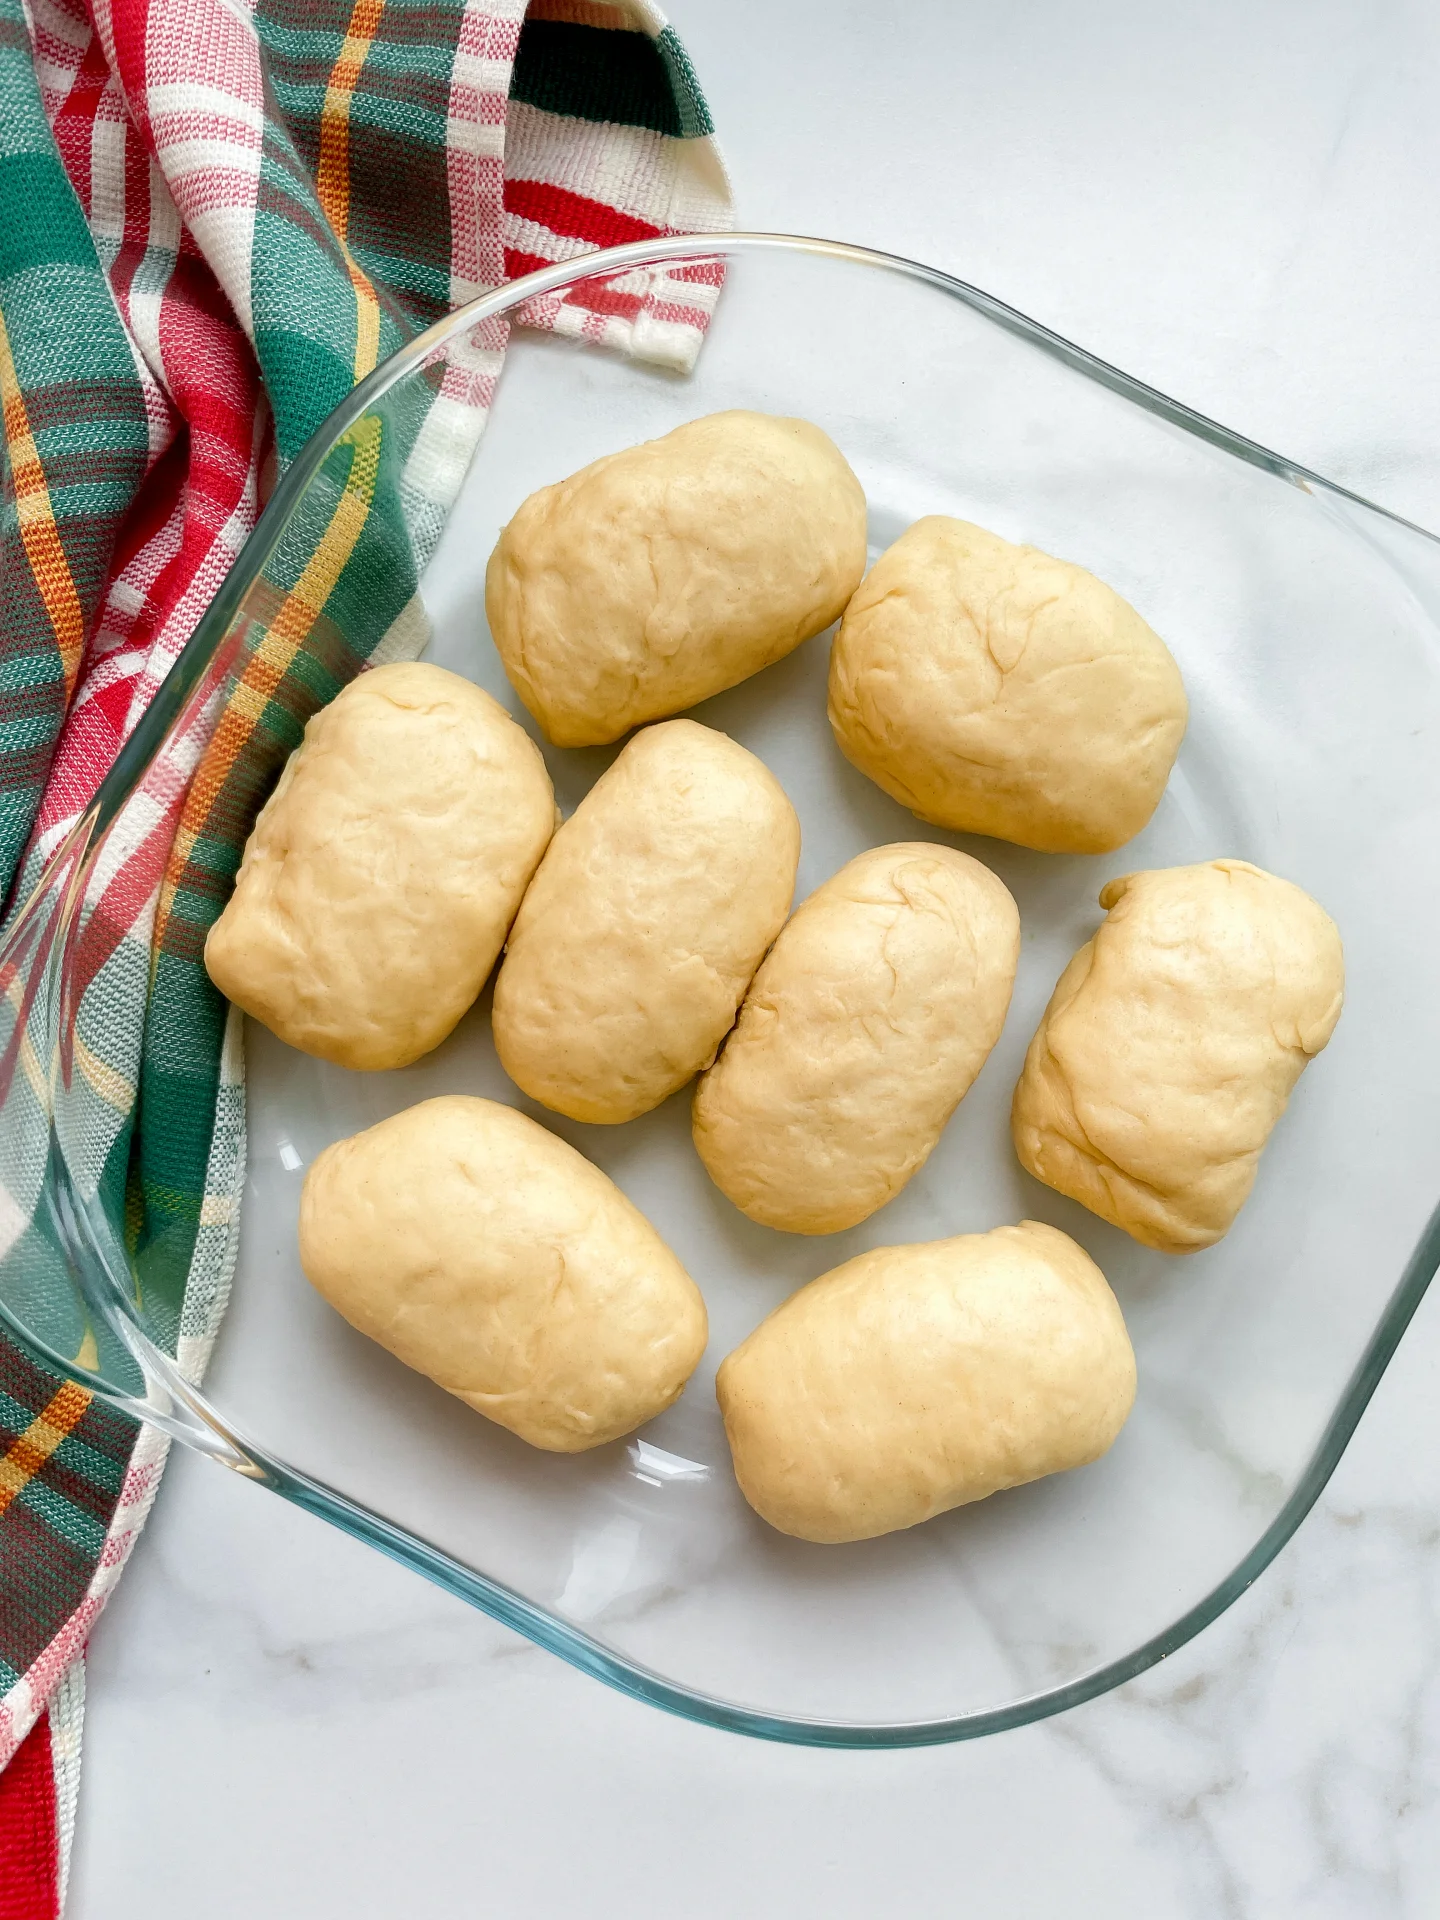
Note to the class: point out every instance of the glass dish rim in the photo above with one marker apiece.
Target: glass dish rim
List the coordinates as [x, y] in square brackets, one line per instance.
[217, 1436]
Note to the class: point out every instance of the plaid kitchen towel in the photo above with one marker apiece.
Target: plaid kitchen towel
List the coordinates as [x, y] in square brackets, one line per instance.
[215, 216]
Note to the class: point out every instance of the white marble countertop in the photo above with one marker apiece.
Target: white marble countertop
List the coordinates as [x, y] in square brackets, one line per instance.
[1240, 204]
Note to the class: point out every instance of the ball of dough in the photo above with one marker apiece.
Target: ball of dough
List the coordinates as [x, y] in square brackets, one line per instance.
[658, 576]
[644, 925]
[382, 874]
[994, 690]
[484, 1252]
[860, 1035]
[916, 1379]
[1171, 1044]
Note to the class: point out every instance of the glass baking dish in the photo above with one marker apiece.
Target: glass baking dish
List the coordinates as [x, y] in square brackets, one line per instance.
[1304, 620]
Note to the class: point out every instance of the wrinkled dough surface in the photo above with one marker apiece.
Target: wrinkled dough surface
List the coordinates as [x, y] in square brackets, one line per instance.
[644, 925]
[484, 1252]
[381, 876]
[916, 1379]
[1171, 1045]
[658, 576]
[993, 689]
[861, 1033]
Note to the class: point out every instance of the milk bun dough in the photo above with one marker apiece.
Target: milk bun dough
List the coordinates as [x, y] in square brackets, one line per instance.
[381, 875]
[993, 689]
[658, 576]
[1171, 1045]
[643, 926]
[915, 1379]
[862, 1031]
[484, 1252]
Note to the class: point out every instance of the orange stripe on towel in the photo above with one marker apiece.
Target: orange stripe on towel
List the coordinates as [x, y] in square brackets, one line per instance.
[36, 515]
[332, 173]
[29, 1451]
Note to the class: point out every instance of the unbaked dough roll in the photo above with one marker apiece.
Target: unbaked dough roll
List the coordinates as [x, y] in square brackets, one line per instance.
[484, 1252]
[993, 689]
[861, 1033]
[644, 925]
[915, 1379]
[658, 576]
[383, 872]
[1171, 1045]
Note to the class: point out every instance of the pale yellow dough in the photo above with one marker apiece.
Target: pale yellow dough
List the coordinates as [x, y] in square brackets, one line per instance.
[993, 689]
[644, 925]
[484, 1252]
[658, 576]
[916, 1379]
[1171, 1045]
[382, 874]
[861, 1033]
